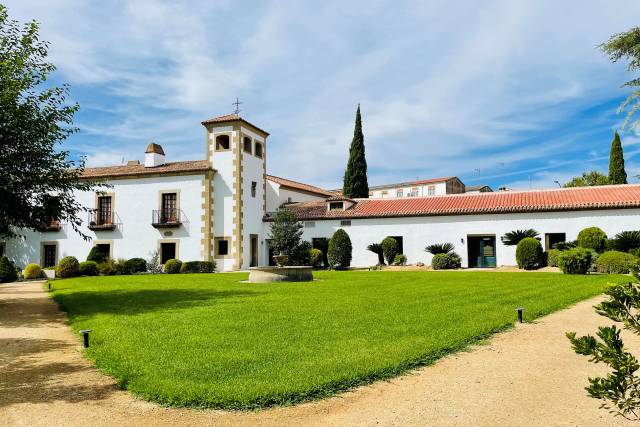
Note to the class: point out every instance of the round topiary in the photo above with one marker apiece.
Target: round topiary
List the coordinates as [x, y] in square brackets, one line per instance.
[575, 261]
[592, 238]
[68, 267]
[89, 268]
[95, 255]
[446, 261]
[316, 257]
[136, 265]
[172, 266]
[400, 259]
[615, 262]
[32, 271]
[389, 249]
[339, 252]
[8, 272]
[529, 253]
[552, 257]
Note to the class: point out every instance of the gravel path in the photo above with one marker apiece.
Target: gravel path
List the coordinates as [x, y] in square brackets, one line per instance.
[527, 376]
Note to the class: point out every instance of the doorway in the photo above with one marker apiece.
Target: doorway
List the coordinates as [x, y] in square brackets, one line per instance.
[167, 252]
[551, 239]
[253, 250]
[481, 251]
[270, 253]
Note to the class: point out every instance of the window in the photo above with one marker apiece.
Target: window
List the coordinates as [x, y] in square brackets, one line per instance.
[399, 193]
[104, 210]
[246, 144]
[258, 149]
[414, 192]
[335, 206]
[221, 246]
[49, 255]
[105, 250]
[222, 142]
[169, 207]
[167, 251]
[431, 190]
[345, 223]
[309, 224]
[254, 185]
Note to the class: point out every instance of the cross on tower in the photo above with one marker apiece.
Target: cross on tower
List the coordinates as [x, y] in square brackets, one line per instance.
[237, 104]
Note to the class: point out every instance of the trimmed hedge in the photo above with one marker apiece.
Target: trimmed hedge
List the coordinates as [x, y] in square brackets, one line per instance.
[89, 268]
[95, 255]
[172, 266]
[529, 253]
[446, 261]
[339, 252]
[592, 238]
[32, 271]
[136, 265]
[389, 249]
[198, 267]
[615, 262]
[316, 258]
[400, 259]
[552, 257]
[575, 261]
[68, 267]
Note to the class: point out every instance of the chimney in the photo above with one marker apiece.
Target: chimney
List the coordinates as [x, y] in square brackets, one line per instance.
[154, 156]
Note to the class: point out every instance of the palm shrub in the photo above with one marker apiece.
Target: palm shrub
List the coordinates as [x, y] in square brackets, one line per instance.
[552, 257]
[626, 241]
[575, 261]
[172, 266]
[32, 271]
[376, 248]
[95, 255]
[512, 238]
[615, 262]
[592, 238]
[316, 258]
[439, 248]
[389, 249]
[529, 253]
[339, 252]
[68, 267]
[88, 268]
[563, 246]
[400, 259]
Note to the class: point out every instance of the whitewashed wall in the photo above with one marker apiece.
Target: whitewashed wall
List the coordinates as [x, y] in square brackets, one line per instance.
[418, 232]
[277, 195]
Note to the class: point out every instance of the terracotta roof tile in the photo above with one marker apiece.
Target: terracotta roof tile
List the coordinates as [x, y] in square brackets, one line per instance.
[136, 170]
[232, 118]
[583, 198]
[300, 186]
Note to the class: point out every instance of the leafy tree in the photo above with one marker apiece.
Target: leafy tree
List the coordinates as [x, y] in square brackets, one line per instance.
[37, 181]
[286, 237]
[389, 249]
[439, 248]
[620, 389]
[512, 238]
[588, 179]
[355, 177]
[617, 174]
[340, 250]
[8, 272]
[376, 248]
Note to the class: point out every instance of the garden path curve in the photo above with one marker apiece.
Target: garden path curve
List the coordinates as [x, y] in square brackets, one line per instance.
[527, 376]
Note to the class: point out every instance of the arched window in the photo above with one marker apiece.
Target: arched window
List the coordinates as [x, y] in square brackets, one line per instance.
[258, 149]
[222, 142]
[246, 144]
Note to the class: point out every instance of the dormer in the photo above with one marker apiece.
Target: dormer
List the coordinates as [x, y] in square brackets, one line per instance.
[153, 155]
[339, 203]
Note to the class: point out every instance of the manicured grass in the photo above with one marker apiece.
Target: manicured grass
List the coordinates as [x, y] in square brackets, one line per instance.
[209, 341]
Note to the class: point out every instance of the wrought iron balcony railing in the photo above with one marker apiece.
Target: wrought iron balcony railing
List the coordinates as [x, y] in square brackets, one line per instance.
[100, 219]
[166, 218]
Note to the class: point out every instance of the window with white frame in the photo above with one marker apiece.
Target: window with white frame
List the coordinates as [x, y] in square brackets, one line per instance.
[414, 192]
[431, 190]
[399, 192]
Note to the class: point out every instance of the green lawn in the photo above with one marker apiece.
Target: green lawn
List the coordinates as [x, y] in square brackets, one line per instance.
[209, 341]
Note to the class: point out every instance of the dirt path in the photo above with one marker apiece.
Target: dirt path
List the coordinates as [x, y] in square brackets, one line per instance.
[528, 376]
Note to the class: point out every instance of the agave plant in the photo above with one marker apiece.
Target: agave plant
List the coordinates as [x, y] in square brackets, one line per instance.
[626, 240]
[439, 248]
[376, 248]
[512, 238]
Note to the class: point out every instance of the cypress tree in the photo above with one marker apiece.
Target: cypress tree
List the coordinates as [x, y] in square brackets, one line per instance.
[617, 174]
[355, 177]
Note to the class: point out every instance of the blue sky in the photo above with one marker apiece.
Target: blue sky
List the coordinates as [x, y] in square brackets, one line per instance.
[495, 92]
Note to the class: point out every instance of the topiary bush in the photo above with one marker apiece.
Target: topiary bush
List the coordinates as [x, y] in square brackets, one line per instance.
[400, 259]
[172, 266]
[316, 258]
[575, 261]
[198, 267]
[89, 268]
[592, 238]
[95, 255]
[68, 267]
[529, 253]
[340, 250]
[32, 271]
[552, 257]
[136, 265]
[615, 262]
[447, 261]
[389, 249]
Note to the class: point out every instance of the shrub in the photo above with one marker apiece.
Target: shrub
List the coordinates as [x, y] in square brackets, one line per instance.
[95, 255]
[389, 249]
[446, 261]
[400, 259]
[439, 248]
[301, 254]
[635, 252]
[512, 238]
[107, 268]
[376, 248]
[592, 238]
[563, 246]
[136, 265]
[8, 272]
[529, 253]
[153, 264]
[626, 241]
[89, 268]
[552, 257]
[316, 258]
[615, 262]
[322, 243]
[68, 267]
[198, 267]
[339, 252]
[172, 266]
[121, 267]
[32, 271]
[575, 261]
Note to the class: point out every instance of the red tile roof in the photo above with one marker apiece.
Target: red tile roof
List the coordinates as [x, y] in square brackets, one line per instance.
[565, 199]
[137, 170]
[299, 186]
[232, 118]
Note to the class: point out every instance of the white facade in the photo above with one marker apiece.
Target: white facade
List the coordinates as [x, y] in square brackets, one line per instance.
[421, 190]
[278, 194]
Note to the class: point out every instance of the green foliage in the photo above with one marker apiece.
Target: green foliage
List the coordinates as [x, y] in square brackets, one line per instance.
[136, 265]
[107, 268]
[121, 266]
[32, 271]
[615, 262]
[625, 241]
[575, 261]
[316, 258]
[153, 263]
[635, 252]
[592, 238]
[198, 267]
[286, 236]
[68, 267]
[339, 252]
[529, 253]
[321, 243]
[447, 261]
[355, 176]
[400, 259]
[8, 272]
[439, 248]
[617, 174]
[563, 246]
[512, 238]
[172, 266]
[38, 181]
[95, 255]
[376, 248]
[389, 249]
[552, 257]
[301, 255]
[89, 268]
[588, 179]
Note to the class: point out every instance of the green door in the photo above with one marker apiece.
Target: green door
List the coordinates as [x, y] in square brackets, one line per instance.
[482, 251]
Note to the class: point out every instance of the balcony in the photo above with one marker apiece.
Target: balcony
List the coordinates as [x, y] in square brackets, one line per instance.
[102, 220]
[166, 218]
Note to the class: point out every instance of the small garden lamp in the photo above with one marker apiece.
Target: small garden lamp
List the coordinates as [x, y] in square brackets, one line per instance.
[520, 310]
[85, 336]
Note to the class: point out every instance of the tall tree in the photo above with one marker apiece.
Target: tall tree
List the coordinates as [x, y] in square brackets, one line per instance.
[37, 181]
[617, 174]
[355, 177]
[588, 179]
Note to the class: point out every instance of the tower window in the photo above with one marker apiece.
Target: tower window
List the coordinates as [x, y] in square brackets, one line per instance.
[222, 142]
[253, 188]
[246, 144]
[258, 150]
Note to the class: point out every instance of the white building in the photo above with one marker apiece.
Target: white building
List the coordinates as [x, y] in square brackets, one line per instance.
[218, 209]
